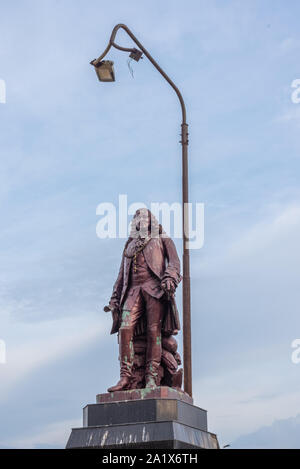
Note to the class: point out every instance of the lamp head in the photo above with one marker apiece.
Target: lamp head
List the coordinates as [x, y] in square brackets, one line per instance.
[104, 69]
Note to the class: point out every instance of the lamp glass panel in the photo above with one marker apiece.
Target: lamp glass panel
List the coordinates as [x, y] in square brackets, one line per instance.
[105, 71]
[105, 74]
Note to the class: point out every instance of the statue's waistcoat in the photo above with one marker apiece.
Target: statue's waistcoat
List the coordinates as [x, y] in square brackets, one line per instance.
[154, 258]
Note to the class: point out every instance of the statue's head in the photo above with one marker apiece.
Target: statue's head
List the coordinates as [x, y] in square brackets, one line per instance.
[144, 224]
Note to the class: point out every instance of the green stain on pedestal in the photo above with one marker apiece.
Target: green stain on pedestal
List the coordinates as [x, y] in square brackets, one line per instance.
[144, 392]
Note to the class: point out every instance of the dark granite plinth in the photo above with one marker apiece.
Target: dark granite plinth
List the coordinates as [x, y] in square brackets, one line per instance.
[163, 422]
[158, 435]
[148, 410]
[161, 392]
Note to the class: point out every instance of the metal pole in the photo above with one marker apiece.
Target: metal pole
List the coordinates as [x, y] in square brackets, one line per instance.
[186, 288]
[186, 282]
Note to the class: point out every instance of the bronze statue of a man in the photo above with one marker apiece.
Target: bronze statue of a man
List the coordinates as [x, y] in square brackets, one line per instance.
[142, 300]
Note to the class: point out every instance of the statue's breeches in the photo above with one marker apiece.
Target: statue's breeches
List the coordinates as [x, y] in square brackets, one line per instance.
[154, 309]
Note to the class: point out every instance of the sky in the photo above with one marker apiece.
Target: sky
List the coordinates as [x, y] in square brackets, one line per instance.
[69, 143]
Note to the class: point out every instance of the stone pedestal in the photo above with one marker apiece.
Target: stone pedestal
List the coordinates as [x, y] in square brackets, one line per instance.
[160, 418]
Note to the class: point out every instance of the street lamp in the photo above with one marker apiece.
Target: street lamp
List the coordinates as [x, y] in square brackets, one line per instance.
[105, 72]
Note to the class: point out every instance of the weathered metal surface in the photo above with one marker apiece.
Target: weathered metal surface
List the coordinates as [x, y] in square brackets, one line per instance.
[160, 392]
[147, 316]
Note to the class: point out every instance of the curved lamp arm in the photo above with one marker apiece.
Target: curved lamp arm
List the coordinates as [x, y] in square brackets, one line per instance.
[111, 43]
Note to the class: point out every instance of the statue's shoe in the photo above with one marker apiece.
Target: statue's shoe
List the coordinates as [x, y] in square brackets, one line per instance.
[122, 384]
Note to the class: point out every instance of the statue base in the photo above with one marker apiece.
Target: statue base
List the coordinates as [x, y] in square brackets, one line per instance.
[160, 392]
[160, 418]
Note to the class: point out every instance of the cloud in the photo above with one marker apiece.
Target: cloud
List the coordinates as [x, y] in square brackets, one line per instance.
[51, 436]
[244, 319]
[289, 44]
[267, 244]
[282, 434]
[35, 345]
[290, 116]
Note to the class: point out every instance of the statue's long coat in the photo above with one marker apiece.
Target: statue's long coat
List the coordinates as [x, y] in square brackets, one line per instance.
[162, 259]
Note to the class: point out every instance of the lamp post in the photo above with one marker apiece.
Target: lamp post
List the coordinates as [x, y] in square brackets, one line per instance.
[105, 72]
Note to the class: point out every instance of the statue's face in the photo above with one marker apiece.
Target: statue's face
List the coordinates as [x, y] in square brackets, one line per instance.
[142, 225]
[141, 222]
